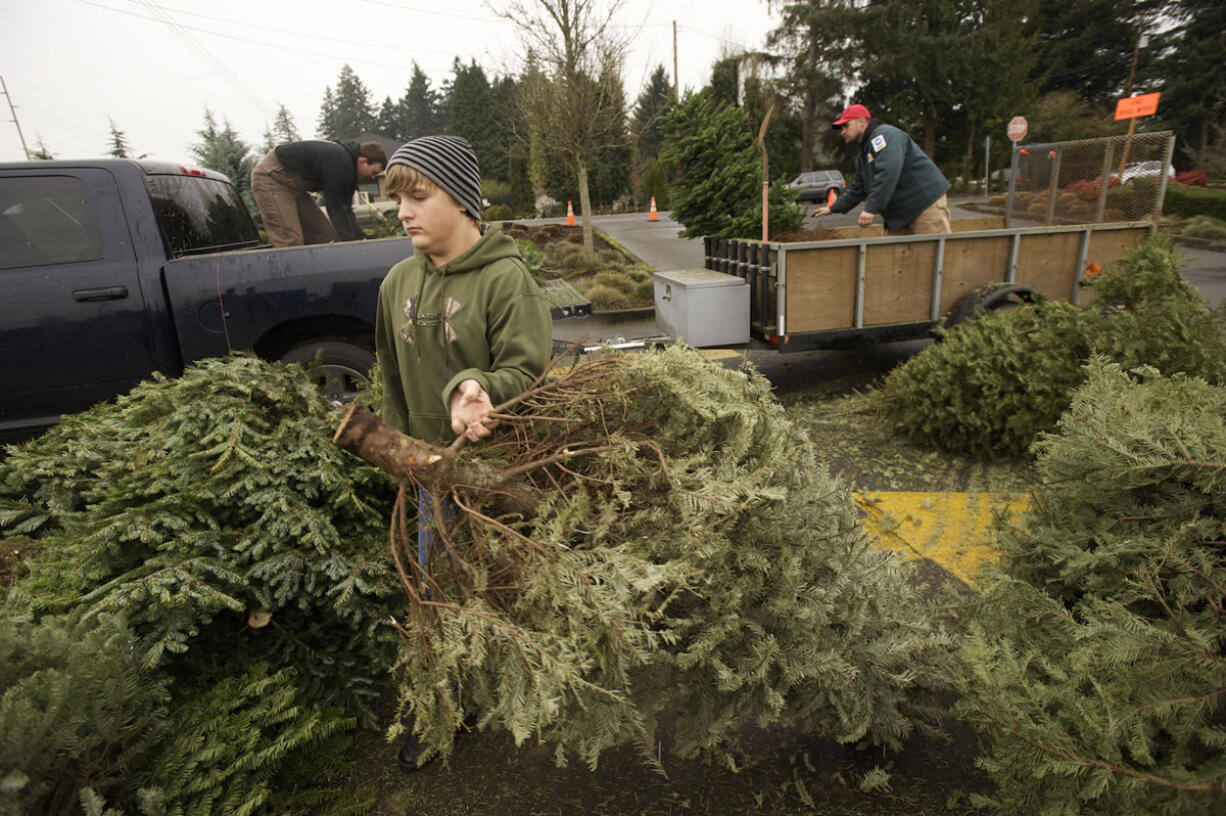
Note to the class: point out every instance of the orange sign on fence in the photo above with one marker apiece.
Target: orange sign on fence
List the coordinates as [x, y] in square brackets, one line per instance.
[1130, 107]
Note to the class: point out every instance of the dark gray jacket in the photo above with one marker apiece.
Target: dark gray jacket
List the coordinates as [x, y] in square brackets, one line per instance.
[897, 178]
[330, 167]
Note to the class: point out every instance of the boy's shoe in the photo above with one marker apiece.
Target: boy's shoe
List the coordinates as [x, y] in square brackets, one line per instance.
[415, 754]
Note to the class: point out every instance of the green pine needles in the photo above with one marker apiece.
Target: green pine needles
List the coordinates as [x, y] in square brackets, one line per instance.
[719, 191]
[996, 382]
[689, 557]
[189, 504]
[1098, 653]
[247, 558]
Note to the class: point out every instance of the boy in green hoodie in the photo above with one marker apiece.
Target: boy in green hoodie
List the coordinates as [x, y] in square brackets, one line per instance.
[461, 326]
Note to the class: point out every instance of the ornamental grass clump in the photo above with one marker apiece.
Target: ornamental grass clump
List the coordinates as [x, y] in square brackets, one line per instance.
[1097, 655]
[649, 535]
[996, 382]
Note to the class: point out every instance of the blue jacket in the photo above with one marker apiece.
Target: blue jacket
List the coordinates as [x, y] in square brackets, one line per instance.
[897, 178]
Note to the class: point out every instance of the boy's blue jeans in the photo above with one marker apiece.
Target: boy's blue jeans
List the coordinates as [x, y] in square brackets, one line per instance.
[425, 525]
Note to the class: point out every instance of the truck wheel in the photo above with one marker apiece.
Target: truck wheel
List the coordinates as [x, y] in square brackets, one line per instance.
[990, 298]
[344, 365]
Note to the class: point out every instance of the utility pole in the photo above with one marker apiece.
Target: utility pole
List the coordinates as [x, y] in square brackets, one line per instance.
[676, 94]
[13, 110]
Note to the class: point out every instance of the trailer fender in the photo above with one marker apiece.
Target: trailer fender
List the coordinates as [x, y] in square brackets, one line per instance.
[989, 298]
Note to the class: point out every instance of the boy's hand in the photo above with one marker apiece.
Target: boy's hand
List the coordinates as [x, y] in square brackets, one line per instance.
[470, 406]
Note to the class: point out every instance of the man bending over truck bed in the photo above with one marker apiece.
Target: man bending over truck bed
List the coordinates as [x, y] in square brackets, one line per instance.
[284, 179]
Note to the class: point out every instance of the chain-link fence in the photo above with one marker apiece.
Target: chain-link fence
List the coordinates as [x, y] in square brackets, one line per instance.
[1090, 181]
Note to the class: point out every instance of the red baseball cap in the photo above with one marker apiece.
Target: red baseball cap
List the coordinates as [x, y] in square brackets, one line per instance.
[852, 112]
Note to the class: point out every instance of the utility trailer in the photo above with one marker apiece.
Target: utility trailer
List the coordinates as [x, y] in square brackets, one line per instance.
[853, 291]
[1070, 207]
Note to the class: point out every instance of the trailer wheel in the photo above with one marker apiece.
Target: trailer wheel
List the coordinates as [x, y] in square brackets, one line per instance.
[344, 365]
[990, 298]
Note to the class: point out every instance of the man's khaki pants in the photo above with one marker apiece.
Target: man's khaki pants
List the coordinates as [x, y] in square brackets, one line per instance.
[291, 217]
[932, 220]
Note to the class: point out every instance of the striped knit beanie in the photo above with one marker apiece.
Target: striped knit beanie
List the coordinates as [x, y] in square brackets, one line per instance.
[448, 161]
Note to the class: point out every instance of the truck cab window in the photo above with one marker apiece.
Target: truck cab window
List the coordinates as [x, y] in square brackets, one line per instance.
[46, 220]
[200, 214]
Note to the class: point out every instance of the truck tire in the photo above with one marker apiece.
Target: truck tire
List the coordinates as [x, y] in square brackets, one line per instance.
[344, 365]
[990, 298]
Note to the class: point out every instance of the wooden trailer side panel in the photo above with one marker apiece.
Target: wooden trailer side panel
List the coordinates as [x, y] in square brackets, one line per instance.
[898, 282]
[821, 288]
[1048, 263]
[971, 263]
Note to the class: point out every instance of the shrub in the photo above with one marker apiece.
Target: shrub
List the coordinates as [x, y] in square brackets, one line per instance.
[614, 280]
[1185, 200]
[1203, 226]
[532, 256]
[498, 212]
[1195, 178]
[604, 296]
[1096, 654]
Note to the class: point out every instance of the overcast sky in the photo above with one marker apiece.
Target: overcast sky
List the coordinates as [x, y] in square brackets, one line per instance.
[153, 67]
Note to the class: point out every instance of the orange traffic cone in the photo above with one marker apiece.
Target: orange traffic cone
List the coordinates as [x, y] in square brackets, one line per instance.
[652, 215]
[570, 215]
[830, 197]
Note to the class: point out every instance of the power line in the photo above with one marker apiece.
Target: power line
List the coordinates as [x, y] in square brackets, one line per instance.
[204, 54]
[277, 46]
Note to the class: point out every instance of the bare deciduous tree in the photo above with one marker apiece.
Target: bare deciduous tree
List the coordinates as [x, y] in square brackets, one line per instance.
[574, 105]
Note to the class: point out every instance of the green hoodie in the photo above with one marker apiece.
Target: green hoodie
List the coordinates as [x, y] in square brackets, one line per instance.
[479, 317]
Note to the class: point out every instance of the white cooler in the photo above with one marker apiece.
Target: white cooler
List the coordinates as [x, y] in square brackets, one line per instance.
[702, 307]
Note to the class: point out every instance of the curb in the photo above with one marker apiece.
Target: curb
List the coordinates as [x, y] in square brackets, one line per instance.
[625, 314]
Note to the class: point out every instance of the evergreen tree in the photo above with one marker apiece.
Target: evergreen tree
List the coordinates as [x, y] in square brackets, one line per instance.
[389, 123]
[683, 553]
[1085, 47]
[77, 712]
[998, 381]
[283, 128]
[653, 104]
[200, 505]
[347, 112]
[1096, 655]
[523, 202]
[119, 143]
[1191, 74]
[471, 114]
[812, 38]
[222, 150]
[326, 125]
[719, 187]
[41, 151]
[726, 81]
[419, 107]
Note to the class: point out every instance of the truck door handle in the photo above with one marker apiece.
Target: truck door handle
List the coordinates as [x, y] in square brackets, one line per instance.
[101, 293]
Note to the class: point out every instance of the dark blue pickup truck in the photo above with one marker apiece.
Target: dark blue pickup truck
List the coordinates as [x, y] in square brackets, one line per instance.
[111, 269]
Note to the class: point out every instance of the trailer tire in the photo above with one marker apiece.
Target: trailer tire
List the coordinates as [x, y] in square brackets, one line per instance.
[990, 298]
[344, 365]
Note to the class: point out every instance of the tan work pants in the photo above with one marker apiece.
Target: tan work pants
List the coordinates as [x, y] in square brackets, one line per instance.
[291, 216]
[931, 221]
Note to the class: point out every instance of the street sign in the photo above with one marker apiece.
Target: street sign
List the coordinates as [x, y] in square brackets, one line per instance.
[1130, 107]
[1017, 128]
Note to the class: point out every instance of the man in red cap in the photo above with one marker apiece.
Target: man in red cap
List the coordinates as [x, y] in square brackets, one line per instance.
[901, 183]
